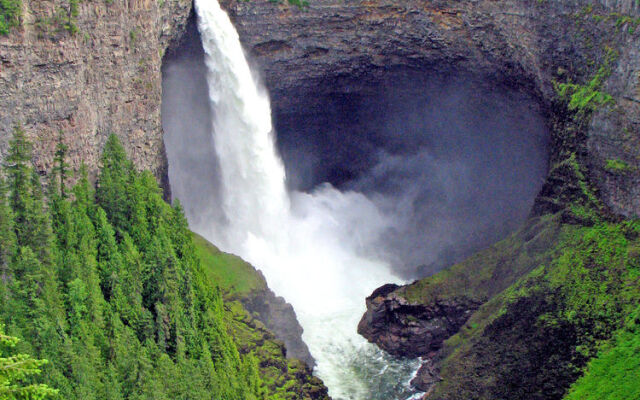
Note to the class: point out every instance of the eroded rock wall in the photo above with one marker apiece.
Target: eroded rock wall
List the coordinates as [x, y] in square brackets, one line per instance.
[106, 77]
[341, 46]
[103, 79]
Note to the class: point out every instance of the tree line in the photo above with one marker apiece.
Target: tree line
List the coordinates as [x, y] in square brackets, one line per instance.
[102, 285]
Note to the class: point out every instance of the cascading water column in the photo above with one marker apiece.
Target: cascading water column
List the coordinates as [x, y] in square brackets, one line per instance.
[253, 176]
[314, 249]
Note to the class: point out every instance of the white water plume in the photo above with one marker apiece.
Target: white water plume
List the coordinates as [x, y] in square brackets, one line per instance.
[317, 250]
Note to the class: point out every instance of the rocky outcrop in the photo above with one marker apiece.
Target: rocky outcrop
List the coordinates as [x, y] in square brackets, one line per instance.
[284, 376]
[263, 325]
[337, 48]
[249, 288]
[426, 377]
[406, 329]
[280, 318]
[103, 79]
[415, 320]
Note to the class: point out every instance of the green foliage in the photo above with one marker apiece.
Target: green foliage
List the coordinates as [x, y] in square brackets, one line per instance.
[15, 372]
[10, 13]
[69, 17]
[65, 19]
[533, 340]
[230, 272]
[108, 287]
[586, 195]
[7, 233]
[114, 183]
[301, 4]
[133, 36]
[492, 270]
[31, 223]
[614, 374]
[587, 98]
[284, 379]
[60, 172]
[618, 166]
[629, 21]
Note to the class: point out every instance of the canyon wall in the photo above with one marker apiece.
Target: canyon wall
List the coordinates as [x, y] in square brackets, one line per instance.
[104, 78]
[333, 47]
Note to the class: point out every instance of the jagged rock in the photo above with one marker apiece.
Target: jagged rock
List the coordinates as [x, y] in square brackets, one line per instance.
[426, 377]
[415, 320]
[280, 318]
[407, 329]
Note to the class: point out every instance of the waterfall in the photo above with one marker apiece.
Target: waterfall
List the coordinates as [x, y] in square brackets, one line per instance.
[317, 250]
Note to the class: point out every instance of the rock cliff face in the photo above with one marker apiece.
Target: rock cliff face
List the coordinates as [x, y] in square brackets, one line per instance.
[263, 325]
[103, 79]
[342, 48]
[280, 318]
[106, 77]
[407, 329]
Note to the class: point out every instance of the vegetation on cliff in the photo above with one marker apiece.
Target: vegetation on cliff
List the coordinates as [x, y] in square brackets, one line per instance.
[533, 340]
[561, 296]
[10, 11]
[284, 378]
[560, 314]
[108, 286]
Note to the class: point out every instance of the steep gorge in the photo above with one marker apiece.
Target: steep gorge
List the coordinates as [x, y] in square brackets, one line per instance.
[336, 50]
[581, 62]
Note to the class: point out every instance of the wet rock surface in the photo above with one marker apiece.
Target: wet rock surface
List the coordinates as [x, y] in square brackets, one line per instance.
[280, 318]
[337, 48]
[426, 377]
[406, 329]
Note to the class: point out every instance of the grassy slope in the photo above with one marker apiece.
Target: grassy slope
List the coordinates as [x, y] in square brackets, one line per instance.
[234, 275]
[615, 373]
[532, 340]
[492, 270]
[556, 294]
[286, 378]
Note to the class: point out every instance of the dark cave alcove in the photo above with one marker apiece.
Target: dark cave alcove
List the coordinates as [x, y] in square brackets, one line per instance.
[454, 158]
[458, 158]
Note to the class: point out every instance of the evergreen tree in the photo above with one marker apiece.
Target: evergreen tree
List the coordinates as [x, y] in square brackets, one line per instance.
[18, 170]
[15, 372]
[84, 193]
[107, 286]
[115, 177]
[59, 171]
[39, 236]
[7, 234]
[31, 222]
[109, 259]
[127, 291]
